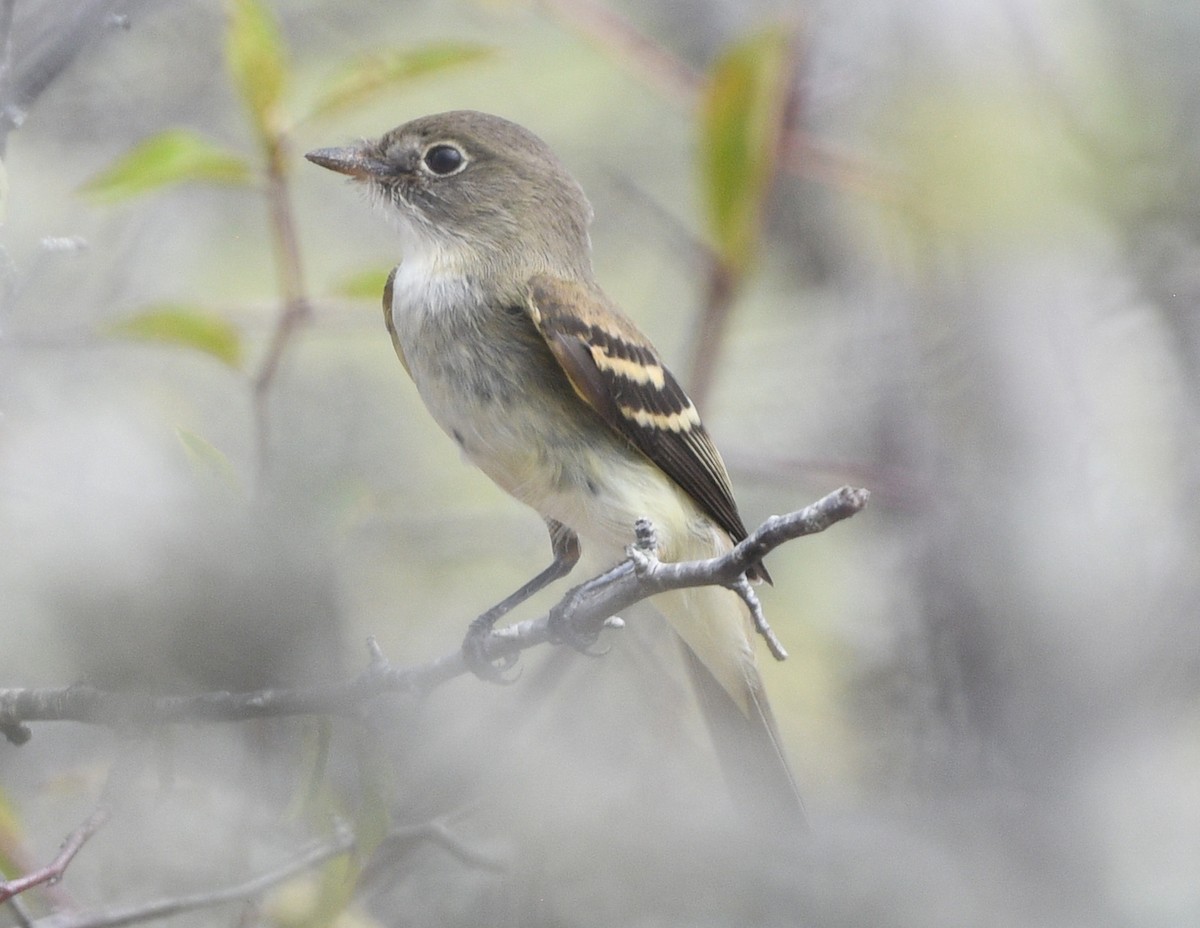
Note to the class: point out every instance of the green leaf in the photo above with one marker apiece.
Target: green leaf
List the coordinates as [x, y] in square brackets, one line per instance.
[257, 63]
[11, 838]
[741, 116]
[369, 75]
[313, 799]
[188, 326]
[338, 880]
[171, 157]
[364, 285]
[206, 457]
[377, 783]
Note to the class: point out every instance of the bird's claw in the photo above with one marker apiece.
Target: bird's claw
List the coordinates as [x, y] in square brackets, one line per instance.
[480, 662]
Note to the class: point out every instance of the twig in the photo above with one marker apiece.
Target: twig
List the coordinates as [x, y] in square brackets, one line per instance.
[69, 30]
[709, 334]
[612, 31]
[746, 593]
[802, 156]
[402, 838]
[726, 275]
[296, 309]
[586, 608]
[48, 877]
[164, 908]
[53, 871]
[24, 916]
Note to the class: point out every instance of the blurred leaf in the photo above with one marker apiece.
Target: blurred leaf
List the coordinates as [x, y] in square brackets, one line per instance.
[371, 74]
[172, 157]
[373, 818]
[319, 900]
[339, 878]
[188, 326]
[207, 457]
[257, 63]
[11, 838]
[740, 123]
[365, 285]
[313, 799]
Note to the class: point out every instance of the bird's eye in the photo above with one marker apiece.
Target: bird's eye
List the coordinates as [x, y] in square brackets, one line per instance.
[444, 159]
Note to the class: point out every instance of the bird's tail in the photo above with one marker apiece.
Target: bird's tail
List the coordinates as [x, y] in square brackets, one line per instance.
[719, 640]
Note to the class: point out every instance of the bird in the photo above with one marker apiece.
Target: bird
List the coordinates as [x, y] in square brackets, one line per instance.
[556, 395]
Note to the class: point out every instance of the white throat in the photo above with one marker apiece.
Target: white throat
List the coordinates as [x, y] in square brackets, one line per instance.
[430, 278]
[424, 284]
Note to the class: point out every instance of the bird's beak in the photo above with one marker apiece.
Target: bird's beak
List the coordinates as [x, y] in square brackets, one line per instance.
[351, 161]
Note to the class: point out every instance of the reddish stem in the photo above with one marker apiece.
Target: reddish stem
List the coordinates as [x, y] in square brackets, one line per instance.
[53, 871]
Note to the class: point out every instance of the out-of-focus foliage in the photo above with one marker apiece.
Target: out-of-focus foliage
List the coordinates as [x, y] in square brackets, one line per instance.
[187, 326]
[363, 285]
[172, 157]
[257, 63]
[302, 903]
[11, 838]
[206, 458]
[741, 117]
[365, 78]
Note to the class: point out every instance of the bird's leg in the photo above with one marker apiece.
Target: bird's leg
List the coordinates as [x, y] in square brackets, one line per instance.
[564, 544]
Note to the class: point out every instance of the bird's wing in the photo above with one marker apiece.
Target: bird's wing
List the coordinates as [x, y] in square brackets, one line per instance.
[389, 321]
[615, 370]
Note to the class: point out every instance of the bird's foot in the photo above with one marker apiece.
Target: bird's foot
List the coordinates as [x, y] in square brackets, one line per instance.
[477, 652]
[581, 637]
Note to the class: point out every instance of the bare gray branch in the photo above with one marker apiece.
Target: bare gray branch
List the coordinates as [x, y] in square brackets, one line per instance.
[585, 610]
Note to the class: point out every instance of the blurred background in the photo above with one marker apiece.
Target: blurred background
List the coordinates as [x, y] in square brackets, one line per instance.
[964, 274]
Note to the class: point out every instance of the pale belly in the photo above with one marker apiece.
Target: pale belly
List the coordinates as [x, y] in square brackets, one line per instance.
[551, 453]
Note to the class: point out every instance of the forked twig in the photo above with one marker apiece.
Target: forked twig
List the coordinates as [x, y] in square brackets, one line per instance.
[53, 871]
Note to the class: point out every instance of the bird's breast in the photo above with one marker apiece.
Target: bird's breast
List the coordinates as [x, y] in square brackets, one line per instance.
[489, 381]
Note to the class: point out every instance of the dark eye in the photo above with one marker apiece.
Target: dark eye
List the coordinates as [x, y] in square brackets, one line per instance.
[444, 159]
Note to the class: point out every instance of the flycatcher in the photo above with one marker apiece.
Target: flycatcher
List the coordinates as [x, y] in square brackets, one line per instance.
[550, 389]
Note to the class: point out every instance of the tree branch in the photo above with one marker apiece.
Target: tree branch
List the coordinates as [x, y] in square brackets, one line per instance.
[166, 907]
[654, 63]
[296, 309]
[580, 615]
[54, 870]
[67, 30]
